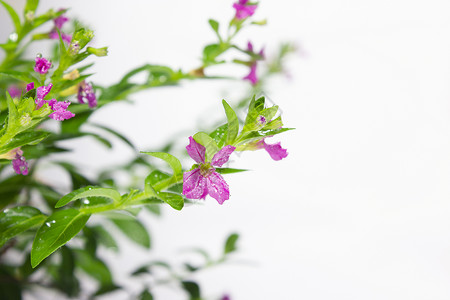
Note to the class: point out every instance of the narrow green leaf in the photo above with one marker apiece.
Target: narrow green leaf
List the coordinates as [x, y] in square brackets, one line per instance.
[192, 288]
[115, 133]
[31, 6]
[176, 201]
[93, 267]
[16, 220]
[105, 238]
[22, 76]
[208, 143]
[31, 137]
[145, 295]
[233, 123]
[89, 191]
[229, 170]
[133, 229]
[230, 244]
[214, 25]
[14, 17]
[58, 229]
[147, 269]
[171, 160]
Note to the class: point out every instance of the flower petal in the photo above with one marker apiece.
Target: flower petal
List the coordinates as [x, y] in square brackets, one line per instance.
[218, 187]
[275, 151]
[196, 151]
[194, 185]
[222, 156]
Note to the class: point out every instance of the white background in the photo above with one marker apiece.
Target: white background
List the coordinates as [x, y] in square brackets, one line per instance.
[360, 208]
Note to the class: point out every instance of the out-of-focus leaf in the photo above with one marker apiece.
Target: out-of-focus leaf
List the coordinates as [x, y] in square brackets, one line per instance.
[145, 295]
[133, 229]
[14, 17]
[230, 243]
[16, 220]
[192, 288]
[105, 238]
[93, 267]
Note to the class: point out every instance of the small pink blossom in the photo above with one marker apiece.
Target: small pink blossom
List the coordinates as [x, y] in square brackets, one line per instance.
[19, 163]
[252, 77]
[86, 92]
[275, 151]
[243, 10]
[67, 38]
[14, 91]
[59, 21]
[41, 92]
[30, 86]
[250, 49]
[60, 112]
[204, 179]
[42, 65]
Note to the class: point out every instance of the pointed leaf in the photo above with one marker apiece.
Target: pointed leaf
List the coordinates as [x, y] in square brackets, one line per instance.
[176, 201]
[16, 220]
[12, 13]
[233, 123]
[208, 142]
[58, 229]
[89, 191]
[133, 229]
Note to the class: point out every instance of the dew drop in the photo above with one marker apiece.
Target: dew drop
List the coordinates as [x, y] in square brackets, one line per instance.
[86, 201]
[48, 224]
[39, 55]
[6, 210]
[53, 222]
[13, 37]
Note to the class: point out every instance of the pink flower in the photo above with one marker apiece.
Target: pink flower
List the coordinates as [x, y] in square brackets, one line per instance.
[60, 112]
[19, 163]
[275, 150]
[30, 86]
[14, 91]
[243, 10]
[86, 92]
[41, 92]
[204, 179]
[252, 77]
[42, 65]
[250, 49]
[59, 21]
[55, 36]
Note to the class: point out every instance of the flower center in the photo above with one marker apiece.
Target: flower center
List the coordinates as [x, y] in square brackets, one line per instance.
[206, 169]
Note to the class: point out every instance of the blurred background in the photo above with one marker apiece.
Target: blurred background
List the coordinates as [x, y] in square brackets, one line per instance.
[360, 208]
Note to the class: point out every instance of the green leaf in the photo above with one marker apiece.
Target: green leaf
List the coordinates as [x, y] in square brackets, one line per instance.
[230, 244]
[208, 143]
[12, 13]
[176, 201]
[220, 135]
[229, 170]
[104, 238]
[147, 269]
[31, 5]
[93, 267]
[58, 229]
[214, 25]
[233, 123]
[16, 220]
[65, 278]
[133, 229]
[172, 161]
[24, 138]
[145, 295]
[89, 191]
[192, 288]
[22, 76]
[115, 133]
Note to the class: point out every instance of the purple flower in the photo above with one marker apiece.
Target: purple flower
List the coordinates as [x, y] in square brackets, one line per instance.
[42, 65]
[59, 21]
[14, 91]
[86, 92]
[275, 150]
[204, 179]
[225, 297]
[55, 36]
[19, 163]
[252, 77]
[30, 86]
[250, 49]
[41, 92]
[60, 112]
[243, 10]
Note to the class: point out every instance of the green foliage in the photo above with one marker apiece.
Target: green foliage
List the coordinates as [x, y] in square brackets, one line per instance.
[16, 220]
[132, 229]
[89, 191]
[57, 230]
[230, 244]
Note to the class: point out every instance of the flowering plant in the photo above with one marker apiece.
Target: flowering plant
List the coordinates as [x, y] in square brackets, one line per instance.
[47, 226]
